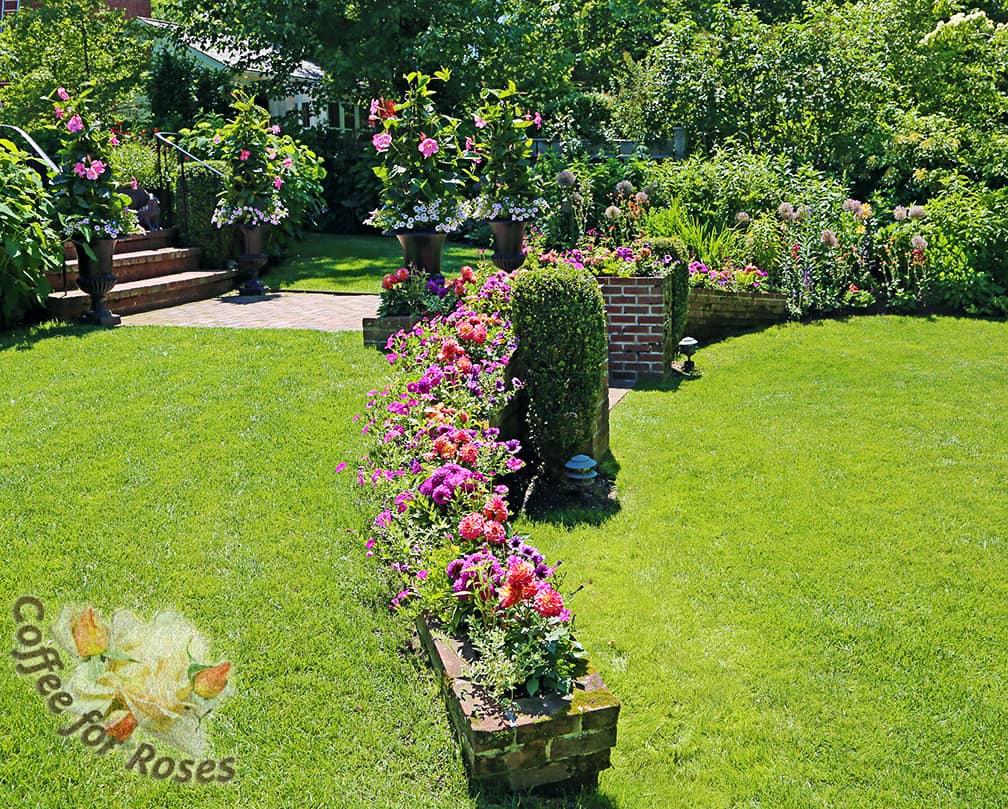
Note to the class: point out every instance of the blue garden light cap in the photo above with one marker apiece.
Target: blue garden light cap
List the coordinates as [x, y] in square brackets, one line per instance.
[580, 463]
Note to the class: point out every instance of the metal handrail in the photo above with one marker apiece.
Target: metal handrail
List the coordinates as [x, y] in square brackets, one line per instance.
[162, 136]
[35, 147]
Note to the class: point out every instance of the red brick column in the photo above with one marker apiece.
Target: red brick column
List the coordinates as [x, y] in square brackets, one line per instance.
[639, 322]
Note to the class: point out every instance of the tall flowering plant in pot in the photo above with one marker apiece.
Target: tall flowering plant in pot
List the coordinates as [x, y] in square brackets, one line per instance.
[250, 199]
[422, 172]
[510, 194]
[91, 212]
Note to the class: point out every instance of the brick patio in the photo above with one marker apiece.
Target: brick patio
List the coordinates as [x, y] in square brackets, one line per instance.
[278, 310]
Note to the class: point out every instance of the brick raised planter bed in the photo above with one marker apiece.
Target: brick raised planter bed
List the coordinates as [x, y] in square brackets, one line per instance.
[553, 742]
[377, 330]
[713, 313]
[639, 316]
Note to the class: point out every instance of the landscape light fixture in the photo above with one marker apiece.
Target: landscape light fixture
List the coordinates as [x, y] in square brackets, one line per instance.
[688, 346]
[581, 471]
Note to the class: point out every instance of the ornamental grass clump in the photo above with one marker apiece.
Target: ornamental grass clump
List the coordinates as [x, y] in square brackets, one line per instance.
[442, 529]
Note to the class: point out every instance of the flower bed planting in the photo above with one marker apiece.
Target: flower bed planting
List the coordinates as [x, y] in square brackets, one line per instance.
[442, 532]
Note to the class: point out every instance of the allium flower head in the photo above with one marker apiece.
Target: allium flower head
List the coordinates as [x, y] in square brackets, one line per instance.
[917, 212]
[624, 188]
[828, 238]
[566, 178]
[612, 212]
[786, 210]
[918, 242]
[742, 218]
[899, 213]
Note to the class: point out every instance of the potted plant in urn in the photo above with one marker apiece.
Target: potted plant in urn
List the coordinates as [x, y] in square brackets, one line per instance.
[422, 172]
[250, 199]
[92, 213]
[509, 195]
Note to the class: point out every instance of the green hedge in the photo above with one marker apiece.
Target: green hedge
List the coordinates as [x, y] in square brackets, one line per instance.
[559, 320]
[28, 244]
[196, 191]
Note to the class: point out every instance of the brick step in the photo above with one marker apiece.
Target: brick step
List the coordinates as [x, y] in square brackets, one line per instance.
[131, 297]
[137, 266]
[150, 240]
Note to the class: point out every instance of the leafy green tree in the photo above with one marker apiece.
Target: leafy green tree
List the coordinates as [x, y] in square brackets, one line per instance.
[69, 43]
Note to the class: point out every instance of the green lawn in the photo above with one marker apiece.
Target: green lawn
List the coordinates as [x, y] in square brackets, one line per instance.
[333, 263]
[801, 601]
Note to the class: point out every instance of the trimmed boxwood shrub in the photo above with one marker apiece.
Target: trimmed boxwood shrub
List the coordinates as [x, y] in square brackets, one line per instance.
[28, 244]
[559, 319]
[196, 191]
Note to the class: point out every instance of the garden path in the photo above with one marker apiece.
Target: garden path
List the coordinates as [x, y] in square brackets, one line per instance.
[277, 310]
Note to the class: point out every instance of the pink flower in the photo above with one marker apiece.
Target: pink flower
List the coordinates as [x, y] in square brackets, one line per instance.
[470, 144]
[428, 146]
[95, 170]
[494, 531]
[79, 169]
[59, 112]
[133, 183]
[287, 162]
[471, 526]
[341, 466]
[63, 94]
[275, 129]
[480, 123]
[277, 182]
[113, 140]
[373, 111]
[245, 154]
[381, 141]
[548, 603]
[217, 139]
[537, 120]
[422, 575]
[75, 124]
[271, 154]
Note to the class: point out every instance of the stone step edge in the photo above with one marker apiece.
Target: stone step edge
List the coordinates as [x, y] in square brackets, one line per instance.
[143, 257]
[158, 284]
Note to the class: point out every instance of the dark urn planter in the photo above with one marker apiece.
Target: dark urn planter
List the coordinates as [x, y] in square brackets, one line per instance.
[252, 260]
[508, 239]
[422, 250]
[95, 278]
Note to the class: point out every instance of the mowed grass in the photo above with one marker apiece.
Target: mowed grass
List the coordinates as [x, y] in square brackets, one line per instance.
[801, 602]
[327, 262]
[193, 470]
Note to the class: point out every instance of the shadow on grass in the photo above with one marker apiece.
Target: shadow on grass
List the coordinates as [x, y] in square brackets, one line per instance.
[582, 799]
[26, 338]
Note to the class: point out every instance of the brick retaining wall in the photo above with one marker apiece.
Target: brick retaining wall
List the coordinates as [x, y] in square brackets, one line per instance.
[550, 741]
[713, 313]
[639, 319]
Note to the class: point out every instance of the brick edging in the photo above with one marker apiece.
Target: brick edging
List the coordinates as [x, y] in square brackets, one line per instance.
[552, 741]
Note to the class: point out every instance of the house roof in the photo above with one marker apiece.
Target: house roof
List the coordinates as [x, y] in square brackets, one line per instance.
[253, 64]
